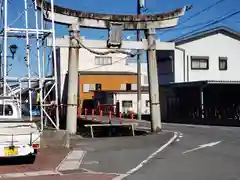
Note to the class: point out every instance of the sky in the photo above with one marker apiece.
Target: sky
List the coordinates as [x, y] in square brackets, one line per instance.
[16, 9]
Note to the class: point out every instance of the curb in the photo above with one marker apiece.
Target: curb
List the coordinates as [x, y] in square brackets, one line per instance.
[28, 174]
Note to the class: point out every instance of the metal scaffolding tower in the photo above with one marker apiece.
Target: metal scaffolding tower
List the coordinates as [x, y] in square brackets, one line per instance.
[31, 34]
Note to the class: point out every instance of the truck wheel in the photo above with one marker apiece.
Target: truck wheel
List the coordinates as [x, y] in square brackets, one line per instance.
[31, 158]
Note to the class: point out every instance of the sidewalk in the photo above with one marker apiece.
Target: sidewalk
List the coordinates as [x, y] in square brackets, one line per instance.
[48, 159]
[83, 176]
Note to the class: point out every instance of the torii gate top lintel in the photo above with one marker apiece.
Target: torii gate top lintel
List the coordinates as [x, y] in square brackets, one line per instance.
[98, 20]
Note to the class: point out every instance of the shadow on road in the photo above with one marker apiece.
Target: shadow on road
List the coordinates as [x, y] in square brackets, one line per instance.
[17, 160]
[106, 131]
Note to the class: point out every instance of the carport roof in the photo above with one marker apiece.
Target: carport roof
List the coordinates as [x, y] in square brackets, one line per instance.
[222, 82]
[200, 83]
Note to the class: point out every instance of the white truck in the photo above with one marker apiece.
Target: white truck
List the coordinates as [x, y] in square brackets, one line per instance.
[18, 137]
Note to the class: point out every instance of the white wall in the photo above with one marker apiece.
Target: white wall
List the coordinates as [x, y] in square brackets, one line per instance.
[133, 97]
[144, 72]
[87, 63]
[215, 46]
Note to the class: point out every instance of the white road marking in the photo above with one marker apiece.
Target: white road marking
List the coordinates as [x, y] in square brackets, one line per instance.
[63, 160]
[131, 171]
[202, 146]
[91, 162]
[81, 144]
[72, 161]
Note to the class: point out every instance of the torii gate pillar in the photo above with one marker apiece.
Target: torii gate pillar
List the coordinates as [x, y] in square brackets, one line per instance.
[73, 62]
[153, 81]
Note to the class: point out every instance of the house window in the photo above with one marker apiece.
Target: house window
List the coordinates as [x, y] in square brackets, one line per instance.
[199, 62]
[98, 87]
[145, 79]
[8, 110]
[103, 60]
[128, 87]
[222, 63]
[127, 104]
[147, 103]
[123, 87]
[92, 87]
[134, 87]
[86, 88]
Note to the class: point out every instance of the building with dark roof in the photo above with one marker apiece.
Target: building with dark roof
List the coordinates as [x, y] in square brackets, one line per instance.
[208, 55]
[202, 77]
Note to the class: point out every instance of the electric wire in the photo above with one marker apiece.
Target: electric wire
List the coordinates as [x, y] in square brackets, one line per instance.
[197, 14]
[229, 15]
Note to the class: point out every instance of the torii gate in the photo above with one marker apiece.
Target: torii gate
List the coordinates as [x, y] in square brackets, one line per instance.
[115, 24]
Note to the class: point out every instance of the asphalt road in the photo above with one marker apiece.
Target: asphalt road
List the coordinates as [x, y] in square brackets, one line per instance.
[119, 154]
[198, 152]
[221, 161]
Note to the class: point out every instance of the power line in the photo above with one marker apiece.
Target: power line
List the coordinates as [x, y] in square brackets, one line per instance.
[198, 13]
[197, 24]
[209, 24]
[190, 26]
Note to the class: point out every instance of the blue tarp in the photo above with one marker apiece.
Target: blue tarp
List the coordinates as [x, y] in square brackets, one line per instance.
[26, 111]
[35, 112]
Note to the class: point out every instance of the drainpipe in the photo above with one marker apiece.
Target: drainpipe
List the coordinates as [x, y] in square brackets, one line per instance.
[202, 100]
[184, 61]
[187, 68]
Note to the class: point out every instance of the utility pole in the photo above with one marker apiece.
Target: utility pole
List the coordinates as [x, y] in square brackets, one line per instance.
[73, 63]
[139, 94]
[153, 81]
